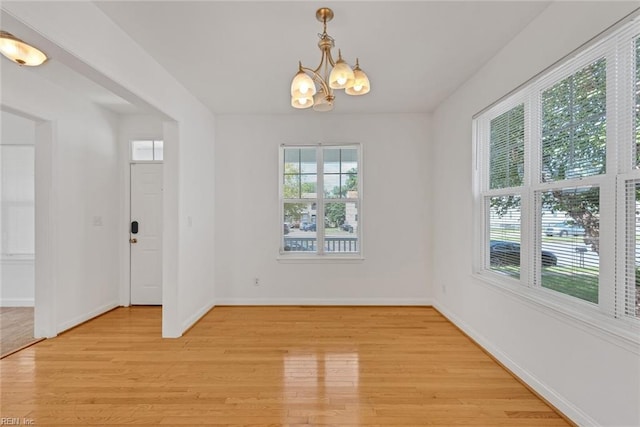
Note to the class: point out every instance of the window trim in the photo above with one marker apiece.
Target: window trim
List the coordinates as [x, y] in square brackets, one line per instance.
[604, 318]
[315, 257]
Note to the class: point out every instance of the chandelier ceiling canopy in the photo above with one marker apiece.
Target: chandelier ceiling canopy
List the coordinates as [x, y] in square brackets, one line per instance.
[314, 87]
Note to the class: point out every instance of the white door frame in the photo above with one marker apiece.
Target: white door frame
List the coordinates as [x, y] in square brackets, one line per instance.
[46, 236]
[46, 232]
[125, 246]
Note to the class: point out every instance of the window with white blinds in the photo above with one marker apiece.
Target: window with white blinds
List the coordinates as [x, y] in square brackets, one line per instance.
[504, 234]
[574, 125]
[630, 292]
[506, 164]
[557, 179]
[628, 301]
[572, 239]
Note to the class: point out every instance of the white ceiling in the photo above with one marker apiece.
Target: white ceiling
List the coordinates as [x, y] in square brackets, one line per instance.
[60, 74]
[66, 71]
[239, 57]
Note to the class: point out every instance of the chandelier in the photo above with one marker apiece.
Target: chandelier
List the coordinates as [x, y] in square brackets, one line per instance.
[305, 93]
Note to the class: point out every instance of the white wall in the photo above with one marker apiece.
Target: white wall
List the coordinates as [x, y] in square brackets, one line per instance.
[394, 216]
[80, 33]
[17, 228]
[16, 130]
[17, 287]
[592, 378]
[84, 174]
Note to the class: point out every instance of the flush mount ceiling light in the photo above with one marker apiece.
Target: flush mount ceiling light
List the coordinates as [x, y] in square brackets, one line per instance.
[305, 94]
[20, 52]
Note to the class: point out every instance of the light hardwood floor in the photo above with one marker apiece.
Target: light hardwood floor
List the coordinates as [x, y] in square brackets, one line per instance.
[341, 366]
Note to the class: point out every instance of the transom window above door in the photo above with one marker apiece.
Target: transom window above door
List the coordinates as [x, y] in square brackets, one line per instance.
[147, 150]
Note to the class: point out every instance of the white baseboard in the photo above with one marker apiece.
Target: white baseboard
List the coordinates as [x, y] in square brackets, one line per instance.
[87, 316]
[17, 302]
[325, 301]
[563, 405]
[196, 316]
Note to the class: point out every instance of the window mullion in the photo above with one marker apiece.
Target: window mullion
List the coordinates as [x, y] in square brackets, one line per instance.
[607, 244]
[478, 173]
[320, 200]
[528, 217]
[615, 83]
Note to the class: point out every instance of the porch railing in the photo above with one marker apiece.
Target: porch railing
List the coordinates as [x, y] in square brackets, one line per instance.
[332, 244]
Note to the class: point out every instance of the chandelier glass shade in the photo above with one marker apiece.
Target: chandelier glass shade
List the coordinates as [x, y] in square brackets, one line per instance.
[20, 52]
[314, 87]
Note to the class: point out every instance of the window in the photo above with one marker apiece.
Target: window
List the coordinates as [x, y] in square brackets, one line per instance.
[320, 193]
[17, 200]
[573, 146]
[571, 236]
[507, 149]
[504, 232]
[630, 292]
[574, 125]
[147, 150]
[557, 194]
[506, 176]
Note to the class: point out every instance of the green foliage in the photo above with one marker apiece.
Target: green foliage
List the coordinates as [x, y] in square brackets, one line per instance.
[580, 204]
[573, 146]
[574, 125]
[335, 213]
[293, 186]
[581, 284]
[293, 211]
[502, 204]
[350, 184]
[352, 181]
[507, 149]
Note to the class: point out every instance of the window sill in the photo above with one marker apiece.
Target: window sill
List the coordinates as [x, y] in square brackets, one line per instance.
[319, 259]
[17, 259]
[624, 333]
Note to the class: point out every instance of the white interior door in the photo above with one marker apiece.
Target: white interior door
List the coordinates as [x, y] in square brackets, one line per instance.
[146, 243]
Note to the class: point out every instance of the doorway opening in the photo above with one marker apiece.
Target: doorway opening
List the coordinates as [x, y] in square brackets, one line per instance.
[145, 227]
[17, 232]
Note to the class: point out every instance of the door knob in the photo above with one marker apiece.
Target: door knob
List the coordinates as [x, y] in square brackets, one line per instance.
[133, 240]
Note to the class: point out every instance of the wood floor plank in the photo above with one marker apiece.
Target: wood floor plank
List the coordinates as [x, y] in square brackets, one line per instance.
[320, 366]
